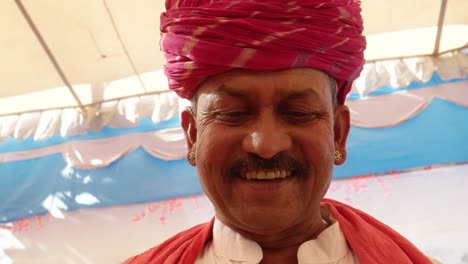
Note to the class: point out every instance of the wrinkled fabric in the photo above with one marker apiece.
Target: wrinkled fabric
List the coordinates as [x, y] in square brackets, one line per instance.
[207, 37]
[372, 241]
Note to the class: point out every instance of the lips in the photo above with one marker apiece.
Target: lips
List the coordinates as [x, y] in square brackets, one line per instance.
[266, 174]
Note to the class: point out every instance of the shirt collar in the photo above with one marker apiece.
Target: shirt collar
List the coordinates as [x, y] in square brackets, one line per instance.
[329, 246]
[231, 245]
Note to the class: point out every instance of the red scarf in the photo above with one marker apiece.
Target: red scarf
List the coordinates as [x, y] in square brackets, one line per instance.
[372, 241]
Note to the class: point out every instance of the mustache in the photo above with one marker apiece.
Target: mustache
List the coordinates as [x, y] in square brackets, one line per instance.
[280, 161]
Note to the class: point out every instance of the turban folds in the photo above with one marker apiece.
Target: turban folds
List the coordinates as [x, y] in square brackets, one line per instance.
[201, 38]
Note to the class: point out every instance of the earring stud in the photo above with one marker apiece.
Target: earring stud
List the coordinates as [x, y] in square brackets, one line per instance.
[338, 156]
[192, 157]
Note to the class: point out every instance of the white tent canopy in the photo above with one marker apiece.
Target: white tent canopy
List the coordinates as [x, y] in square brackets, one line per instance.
[65, 53]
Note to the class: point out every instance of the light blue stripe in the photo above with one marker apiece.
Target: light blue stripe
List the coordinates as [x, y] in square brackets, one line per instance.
[438, 135]
[137, 177]
[11, 145]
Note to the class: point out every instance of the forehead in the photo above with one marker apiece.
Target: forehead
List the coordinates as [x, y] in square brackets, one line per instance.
[248, 84]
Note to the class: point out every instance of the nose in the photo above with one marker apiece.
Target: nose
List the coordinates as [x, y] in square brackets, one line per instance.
[266, 137]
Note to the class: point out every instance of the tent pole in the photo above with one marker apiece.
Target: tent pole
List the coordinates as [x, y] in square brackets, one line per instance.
[49, 53]
[119, 37]
[417, 56]
[440, 27]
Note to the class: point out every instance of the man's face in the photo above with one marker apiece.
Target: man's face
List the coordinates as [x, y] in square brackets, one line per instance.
[264, 145]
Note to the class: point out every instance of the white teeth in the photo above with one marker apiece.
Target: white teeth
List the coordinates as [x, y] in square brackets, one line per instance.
[283, 174]
[270, 175]
[266, 175]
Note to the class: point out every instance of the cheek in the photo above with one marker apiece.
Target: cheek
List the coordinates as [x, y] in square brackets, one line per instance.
[318, 142]
[209, 140]
[214, 149]
[217, 134]
[318, 147]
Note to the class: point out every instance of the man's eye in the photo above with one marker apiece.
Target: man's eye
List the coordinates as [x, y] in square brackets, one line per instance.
[234, 117]
[298, 116]
[235, 114]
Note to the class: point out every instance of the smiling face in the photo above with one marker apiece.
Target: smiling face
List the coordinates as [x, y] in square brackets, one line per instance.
[264, 144]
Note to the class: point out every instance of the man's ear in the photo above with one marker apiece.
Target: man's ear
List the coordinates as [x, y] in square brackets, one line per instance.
[190, 132]
[341, 130]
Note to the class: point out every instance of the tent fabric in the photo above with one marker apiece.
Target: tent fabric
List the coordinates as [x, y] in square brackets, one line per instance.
[108, 50]
[405, 201]
[166, 144]
[128, 113]
[401, 72]
[144, 125]
[34, 186]
[169, 144]
[399, 107]
[391, 131]
[72, 121]
[49, 184]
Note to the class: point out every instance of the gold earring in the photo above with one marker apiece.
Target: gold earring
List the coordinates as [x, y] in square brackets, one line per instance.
[338, 156]
[192, 157]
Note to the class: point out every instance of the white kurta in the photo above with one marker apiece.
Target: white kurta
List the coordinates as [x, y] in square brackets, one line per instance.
[228, 246]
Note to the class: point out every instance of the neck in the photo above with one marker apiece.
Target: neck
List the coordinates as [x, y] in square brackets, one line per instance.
[285, 251]
[281, 246]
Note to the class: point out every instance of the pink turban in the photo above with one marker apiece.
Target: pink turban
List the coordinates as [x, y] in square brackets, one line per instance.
[201, 38]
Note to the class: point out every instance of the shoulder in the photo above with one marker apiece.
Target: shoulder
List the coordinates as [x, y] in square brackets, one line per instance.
[186, 244]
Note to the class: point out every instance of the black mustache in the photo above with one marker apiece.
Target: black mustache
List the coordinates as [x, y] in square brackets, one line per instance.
[280, 161]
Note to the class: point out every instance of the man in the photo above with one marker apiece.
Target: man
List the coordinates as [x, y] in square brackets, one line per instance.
[268, 80]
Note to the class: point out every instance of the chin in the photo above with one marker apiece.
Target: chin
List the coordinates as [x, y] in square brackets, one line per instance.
[266, 220]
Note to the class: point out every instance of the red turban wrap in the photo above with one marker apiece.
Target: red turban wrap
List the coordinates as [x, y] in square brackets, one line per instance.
[201, 38]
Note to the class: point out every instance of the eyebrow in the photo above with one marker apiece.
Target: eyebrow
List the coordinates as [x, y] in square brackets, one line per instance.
[223, 89]
[302, 93]
[308, 92]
